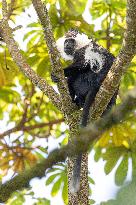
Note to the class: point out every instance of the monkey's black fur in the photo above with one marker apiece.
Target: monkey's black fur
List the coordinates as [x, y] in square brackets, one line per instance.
[84, 80]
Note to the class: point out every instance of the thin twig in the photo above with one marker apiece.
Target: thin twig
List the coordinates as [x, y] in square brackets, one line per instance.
[28, 128]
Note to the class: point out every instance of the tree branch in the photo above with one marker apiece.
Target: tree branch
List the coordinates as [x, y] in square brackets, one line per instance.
[20, 61]
[127, 52]
[42, 13]
[28, 128]
[81, 144]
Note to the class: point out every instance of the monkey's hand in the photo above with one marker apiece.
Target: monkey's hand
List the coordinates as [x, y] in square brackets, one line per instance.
[54, 78]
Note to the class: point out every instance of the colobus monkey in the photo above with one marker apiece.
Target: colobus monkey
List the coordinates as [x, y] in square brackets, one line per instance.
[90, 66]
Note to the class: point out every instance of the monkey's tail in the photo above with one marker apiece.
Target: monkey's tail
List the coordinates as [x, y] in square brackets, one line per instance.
[75, 181]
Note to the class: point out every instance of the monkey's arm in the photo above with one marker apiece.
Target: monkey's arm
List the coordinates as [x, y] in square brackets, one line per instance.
[71, 71]
[75, 69]
[71, 89]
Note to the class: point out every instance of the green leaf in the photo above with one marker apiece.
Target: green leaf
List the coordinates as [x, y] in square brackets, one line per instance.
[125, 196]
[110, 202]
[99, 7]
[43, 149]
[51, 178]
[91, 201]
[41, 69]
[91, 180]
[35, 24]
[65, 141]
[65, 190]
[39, 155]
[33, 41]
[56, 187]
[98, 152]
[133, 154]
[54, 169]
[78, 6]
[17, 199]
[110, 165]
[47, 202]
[9, 96]
[42, 201]
[1, 114]
[112, 156]
[28, 34]
[34, 60]
[121, 171]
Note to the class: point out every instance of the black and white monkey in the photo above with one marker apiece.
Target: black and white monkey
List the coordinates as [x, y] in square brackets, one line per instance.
[85, 75]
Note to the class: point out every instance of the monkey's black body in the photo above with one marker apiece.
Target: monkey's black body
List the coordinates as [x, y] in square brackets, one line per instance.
[82, 79]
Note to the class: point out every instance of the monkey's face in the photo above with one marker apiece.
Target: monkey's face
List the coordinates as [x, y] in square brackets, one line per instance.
[69, 46]
[72, 41]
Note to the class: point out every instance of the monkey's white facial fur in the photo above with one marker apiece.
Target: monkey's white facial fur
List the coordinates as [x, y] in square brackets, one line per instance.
[60, 47]
[81, 41]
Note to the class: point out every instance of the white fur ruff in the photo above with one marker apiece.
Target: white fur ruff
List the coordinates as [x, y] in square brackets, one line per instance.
[82, 40]
[91, 57]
